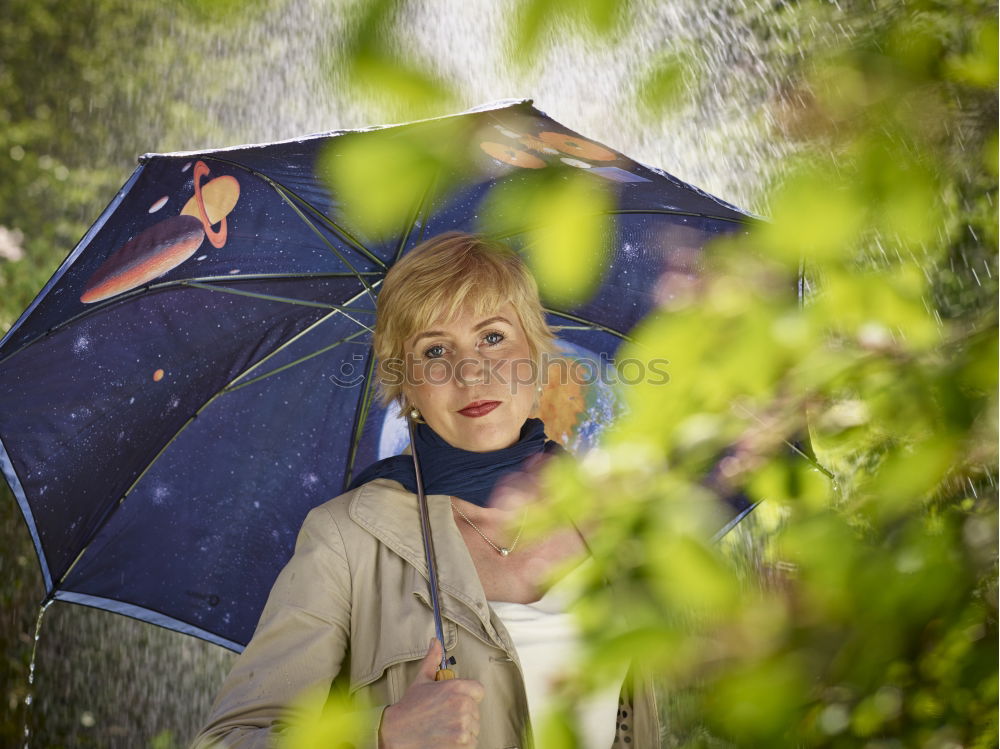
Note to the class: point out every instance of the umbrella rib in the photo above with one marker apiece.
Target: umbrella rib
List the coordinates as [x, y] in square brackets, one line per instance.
[589, 323]
[285, 191]
[360, 420]
[287, 195]
[274, 298]
[125, 296]
[326, 241]
[572, 327]
[228, 388]
[666, 212]
[283, 367]
[418, 211]
[267, 276]
[405, 236]
[336, 307]
[291, 340]
[631, 212]
[802, 453]
[111, 511]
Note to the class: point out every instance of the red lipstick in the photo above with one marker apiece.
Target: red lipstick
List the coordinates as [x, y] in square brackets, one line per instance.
[479, 408]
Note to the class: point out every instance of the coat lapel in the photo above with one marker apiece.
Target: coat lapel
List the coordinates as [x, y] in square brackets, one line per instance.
[389, 512]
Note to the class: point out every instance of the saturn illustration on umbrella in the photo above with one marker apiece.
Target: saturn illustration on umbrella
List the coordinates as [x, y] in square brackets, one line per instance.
[168, 243]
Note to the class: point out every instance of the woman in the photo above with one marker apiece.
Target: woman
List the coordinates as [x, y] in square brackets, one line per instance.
[459, 337]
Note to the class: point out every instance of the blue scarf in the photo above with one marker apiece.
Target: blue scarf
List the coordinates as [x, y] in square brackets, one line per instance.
[450, 470]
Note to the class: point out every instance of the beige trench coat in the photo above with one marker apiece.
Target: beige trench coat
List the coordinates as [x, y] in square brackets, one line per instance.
[353, 603]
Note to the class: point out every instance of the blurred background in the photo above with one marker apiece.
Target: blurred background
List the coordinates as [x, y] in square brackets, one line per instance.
[857, 606]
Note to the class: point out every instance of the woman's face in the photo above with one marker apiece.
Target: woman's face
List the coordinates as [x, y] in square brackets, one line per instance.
[472, 378]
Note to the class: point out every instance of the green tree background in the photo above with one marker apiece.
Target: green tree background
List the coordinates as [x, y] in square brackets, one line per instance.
[858, 609]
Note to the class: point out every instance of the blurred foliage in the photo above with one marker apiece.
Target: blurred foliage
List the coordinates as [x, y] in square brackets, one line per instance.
[857, 611]
[335, 719]
[537, 20]
[383, 183]
[859, 608]
[666, 84]
[561, 216]
[75, 114]
[227, 11]
[880, 628]
[59, 63]
[370, 59]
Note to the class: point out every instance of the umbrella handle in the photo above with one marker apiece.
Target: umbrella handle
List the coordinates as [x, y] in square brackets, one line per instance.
[429, 556]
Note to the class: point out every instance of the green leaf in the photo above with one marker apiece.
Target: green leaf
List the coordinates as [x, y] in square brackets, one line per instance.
[756, 703]
[562, 215]
[978, 67]
[557, 730]
[327, 718]
[379, 180]
[229, 11]
[665, 85]
[406, 90]
[536, 18]
[910, 474]
[816, 217]
[691, 577]
[163, 740]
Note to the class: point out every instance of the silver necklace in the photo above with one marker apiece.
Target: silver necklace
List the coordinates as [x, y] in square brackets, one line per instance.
[501, 550]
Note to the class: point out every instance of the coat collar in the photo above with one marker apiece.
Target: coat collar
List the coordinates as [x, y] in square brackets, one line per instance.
[389, 512]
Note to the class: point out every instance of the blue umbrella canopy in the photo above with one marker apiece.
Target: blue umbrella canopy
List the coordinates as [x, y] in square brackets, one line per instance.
[197, 375]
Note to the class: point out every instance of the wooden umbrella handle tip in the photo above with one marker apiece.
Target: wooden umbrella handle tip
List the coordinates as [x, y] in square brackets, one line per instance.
[444, 674]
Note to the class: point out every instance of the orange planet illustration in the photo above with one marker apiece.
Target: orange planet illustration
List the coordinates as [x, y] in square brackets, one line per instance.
[511, 155]
[212, 202]
[575, 146]
[161, 247]
[157, 375]
[563, 399]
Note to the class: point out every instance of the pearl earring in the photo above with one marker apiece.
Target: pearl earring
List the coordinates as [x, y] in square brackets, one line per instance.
[414, 414]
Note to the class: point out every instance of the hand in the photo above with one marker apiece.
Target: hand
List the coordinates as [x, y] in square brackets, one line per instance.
[518, 491]
[521, 488]
[439, 714]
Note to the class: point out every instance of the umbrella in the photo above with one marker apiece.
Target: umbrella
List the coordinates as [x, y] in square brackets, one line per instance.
[196, 375]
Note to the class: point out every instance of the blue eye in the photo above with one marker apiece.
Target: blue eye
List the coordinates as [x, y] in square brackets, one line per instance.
[430, 353]
[493, 338]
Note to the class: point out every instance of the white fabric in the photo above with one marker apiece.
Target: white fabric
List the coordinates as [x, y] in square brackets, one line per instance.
[547, 642]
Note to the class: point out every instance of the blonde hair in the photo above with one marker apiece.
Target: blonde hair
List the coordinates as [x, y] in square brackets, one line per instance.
[439, 277]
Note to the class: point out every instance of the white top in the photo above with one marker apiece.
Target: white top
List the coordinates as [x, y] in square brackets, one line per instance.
[547, 641]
